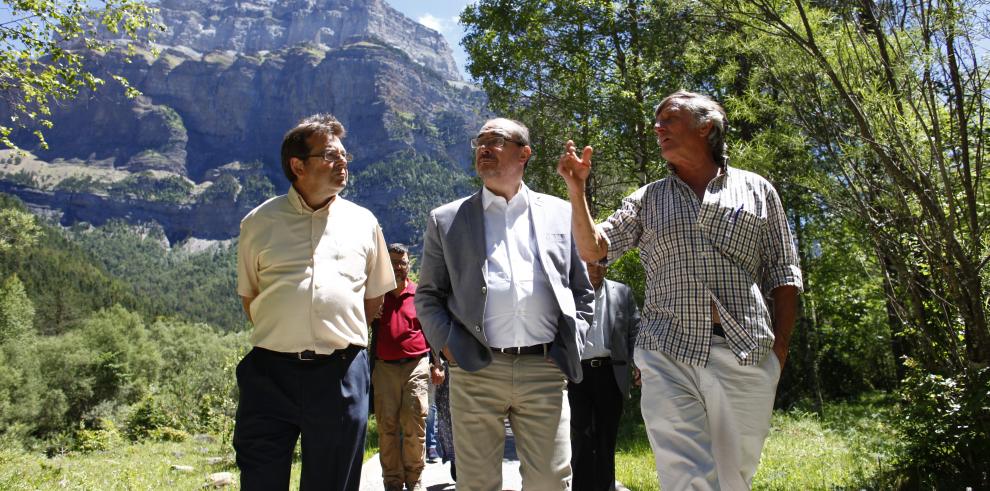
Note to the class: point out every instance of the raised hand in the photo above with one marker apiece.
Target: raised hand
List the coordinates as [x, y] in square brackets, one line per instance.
[575, 170]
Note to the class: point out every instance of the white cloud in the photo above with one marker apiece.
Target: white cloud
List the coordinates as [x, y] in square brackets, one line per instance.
[432, 22]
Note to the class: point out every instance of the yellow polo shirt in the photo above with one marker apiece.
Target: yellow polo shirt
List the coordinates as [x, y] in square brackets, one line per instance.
[309, 272]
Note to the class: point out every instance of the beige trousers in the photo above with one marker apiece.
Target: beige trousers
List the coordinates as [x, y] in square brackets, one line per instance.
[401, 405]
[532, 392]
[707, 424]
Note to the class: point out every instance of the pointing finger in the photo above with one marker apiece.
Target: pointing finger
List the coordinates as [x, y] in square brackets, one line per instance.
[586, 155]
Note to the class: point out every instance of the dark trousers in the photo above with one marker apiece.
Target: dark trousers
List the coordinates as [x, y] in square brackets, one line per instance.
[596, 405]
[325, 400]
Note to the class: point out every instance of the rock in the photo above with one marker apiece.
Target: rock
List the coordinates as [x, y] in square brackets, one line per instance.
[182, 468]
[220, 479]
[270, 25]
[202, 437]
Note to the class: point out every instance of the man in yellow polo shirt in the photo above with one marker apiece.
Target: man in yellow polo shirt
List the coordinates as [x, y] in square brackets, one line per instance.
[312, 269]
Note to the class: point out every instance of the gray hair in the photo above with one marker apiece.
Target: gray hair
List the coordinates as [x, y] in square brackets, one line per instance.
[517, 131]
[705, 110]
[294, 142]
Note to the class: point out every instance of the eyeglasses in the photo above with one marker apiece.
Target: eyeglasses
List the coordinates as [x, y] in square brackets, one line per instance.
[492, 142]
[333, 156]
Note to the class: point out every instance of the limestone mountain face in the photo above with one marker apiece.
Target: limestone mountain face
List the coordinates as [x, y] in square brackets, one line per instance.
[227, 80]
[270, 25]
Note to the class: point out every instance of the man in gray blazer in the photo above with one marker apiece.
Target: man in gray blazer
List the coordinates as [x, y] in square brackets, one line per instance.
[506, 297]
[596, 401]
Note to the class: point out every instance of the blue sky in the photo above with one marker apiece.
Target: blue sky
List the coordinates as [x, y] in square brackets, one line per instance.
[440, 15]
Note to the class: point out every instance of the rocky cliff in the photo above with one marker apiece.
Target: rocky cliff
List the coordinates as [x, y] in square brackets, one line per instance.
[270, 25]
[228, 78]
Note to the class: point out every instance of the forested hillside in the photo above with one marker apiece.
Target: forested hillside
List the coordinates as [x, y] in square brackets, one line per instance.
[102, 335]
[70, 273]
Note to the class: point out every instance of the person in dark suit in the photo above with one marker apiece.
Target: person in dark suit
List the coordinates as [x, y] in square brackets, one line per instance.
[596, 401]
[505, 295]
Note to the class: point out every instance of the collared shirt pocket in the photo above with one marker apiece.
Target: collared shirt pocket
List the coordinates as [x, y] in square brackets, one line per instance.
[735, 231]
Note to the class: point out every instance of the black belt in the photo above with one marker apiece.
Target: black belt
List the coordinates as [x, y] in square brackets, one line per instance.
[717, 330]
[310, 355]
[403, 360]
[536, 349]
[597, 362]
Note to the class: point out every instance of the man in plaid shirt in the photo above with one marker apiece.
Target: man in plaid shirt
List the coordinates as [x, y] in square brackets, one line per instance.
[714, 241]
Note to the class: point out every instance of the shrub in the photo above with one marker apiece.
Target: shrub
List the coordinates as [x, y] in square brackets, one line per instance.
[947, 420]
[100, 438]
[168, 434]
[148, 418]
[197, 385]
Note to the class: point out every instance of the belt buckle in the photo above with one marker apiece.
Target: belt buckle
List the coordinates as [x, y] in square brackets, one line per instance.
[308, 355]
[596, 363]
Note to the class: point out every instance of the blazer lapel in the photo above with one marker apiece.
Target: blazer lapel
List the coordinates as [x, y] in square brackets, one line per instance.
[476, 231]
[537, 215]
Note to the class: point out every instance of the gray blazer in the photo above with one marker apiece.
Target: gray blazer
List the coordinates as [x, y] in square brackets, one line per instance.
[622, 321]
[450, 300]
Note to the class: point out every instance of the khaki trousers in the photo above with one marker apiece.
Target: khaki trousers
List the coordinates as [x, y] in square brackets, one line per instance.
[707, 424]
[532, 392]
[401, 405]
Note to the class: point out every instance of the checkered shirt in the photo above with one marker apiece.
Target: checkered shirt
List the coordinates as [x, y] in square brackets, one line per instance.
[733, 248]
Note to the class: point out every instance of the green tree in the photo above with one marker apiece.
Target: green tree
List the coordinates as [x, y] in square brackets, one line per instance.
[20, 380]
[109, 357]
[588, 70]
[16, 310]
[890, 99]
[18, 228]
[42, 52]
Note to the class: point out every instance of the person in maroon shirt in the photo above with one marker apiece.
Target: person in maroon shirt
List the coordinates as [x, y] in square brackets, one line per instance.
[401, 379]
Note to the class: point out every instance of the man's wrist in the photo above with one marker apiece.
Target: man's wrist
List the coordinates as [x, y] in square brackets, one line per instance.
[576, 190]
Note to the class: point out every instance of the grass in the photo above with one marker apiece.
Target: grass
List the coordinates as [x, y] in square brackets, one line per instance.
[128, 466]
[146, 465]
[849, 446]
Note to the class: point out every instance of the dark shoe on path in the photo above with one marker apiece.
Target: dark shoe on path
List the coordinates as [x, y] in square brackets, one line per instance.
[432, 456]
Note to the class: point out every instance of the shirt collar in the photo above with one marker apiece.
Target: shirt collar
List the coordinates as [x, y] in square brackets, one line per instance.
[722, 175]
[410, 289]
[297, 202]
[521, 197]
